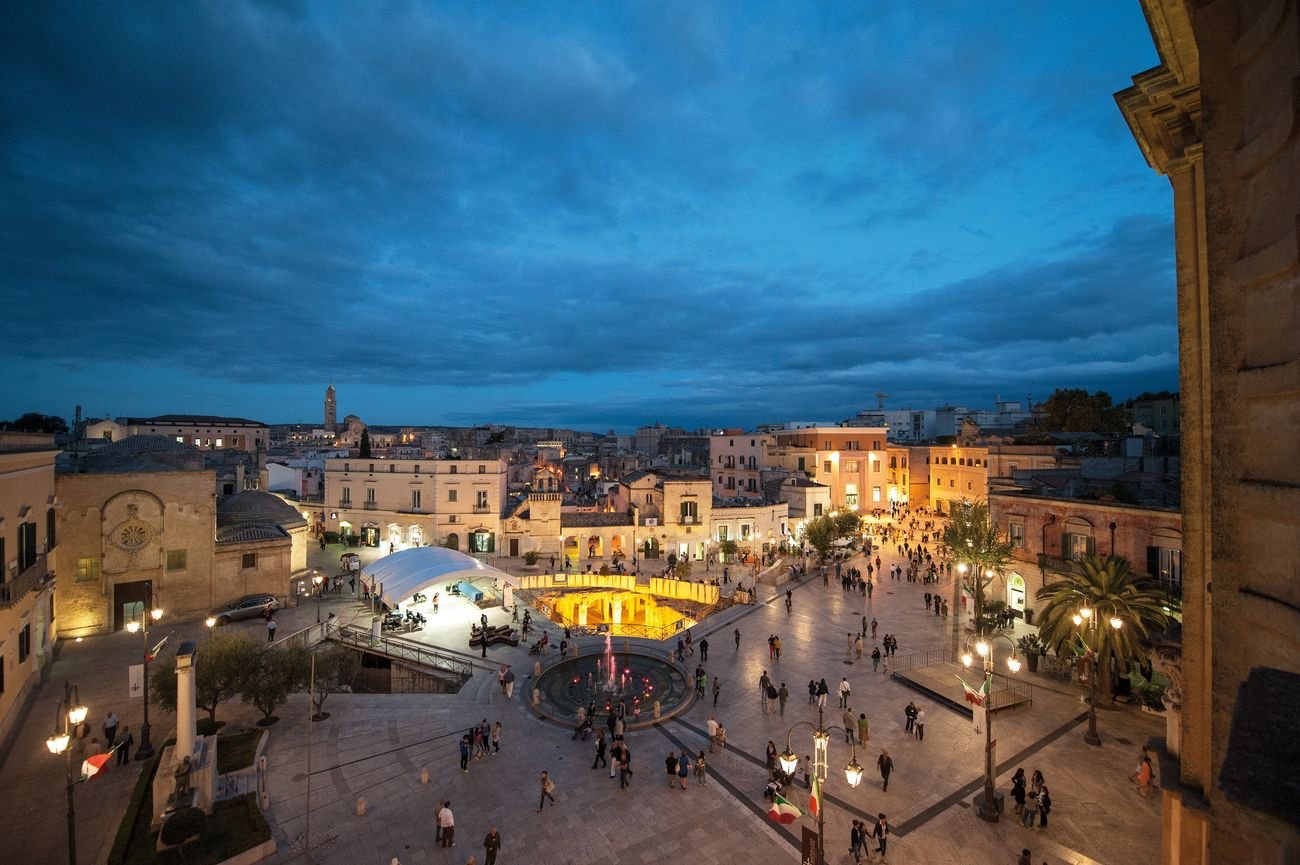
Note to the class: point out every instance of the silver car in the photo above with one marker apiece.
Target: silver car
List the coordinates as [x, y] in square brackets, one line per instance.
[247, 607]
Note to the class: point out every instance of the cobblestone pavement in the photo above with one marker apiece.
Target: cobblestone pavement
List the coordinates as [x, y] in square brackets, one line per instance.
[373, 747]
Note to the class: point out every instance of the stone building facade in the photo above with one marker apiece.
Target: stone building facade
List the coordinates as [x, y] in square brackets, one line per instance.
[1218, 118]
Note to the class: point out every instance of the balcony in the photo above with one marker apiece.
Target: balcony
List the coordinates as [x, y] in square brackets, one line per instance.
[687, 519]
[12, 592]
[417, 511]
[1058, 565]
[482, 509]
[371, 506]
[345, 503]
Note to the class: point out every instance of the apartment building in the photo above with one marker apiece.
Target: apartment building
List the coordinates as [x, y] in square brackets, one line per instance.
[736, 463]
[414, 502]
[854, 462]
[206, 432]
[28, 534]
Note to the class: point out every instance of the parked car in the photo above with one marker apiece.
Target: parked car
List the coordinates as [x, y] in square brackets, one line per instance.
[247, 607]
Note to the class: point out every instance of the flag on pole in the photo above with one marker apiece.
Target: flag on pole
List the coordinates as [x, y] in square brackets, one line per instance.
[94, 764]
[783, 810]
[973, 696]
[815, 799]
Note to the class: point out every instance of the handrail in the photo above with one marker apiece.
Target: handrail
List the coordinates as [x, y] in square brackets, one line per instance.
[12, 592]
[394, 647]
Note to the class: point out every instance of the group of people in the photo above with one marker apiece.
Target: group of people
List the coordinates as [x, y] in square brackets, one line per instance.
[1033, 799]
[480, 741]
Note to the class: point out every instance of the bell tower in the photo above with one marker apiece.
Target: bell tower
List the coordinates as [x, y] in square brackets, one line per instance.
[331, 409]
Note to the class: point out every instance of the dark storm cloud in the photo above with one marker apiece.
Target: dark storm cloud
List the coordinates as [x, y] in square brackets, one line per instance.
[742, 215]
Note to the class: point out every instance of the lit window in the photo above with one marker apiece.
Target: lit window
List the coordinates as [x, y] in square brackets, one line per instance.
[88, 570]
[176, 560]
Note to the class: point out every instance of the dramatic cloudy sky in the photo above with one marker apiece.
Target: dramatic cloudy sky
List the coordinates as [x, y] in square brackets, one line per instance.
[592, 214]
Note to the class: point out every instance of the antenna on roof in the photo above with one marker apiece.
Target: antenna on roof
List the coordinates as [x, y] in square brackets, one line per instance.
[880, 400]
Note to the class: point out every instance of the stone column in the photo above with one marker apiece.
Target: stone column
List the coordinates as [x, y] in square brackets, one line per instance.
[185, 700]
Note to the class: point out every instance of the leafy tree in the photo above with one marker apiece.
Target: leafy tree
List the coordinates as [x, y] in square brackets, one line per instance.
[820, 533]
[1109, 588]
[335, 666]
[728, 548]
[365, 444]
[1076, 410]
[971, 540]
[220, 668]
[274, 675]
[847, 523]
[682, 568]
[36, 422]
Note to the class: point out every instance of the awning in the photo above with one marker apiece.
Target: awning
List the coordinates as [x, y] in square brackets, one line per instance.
[419, 569]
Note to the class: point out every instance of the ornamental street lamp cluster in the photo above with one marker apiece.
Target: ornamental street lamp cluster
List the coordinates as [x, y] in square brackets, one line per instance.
[821, 754]
[1088, 619]
[145, 751]
[988, 808]
[68, 718]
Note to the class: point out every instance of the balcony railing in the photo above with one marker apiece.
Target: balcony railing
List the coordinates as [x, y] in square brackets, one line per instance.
[482, 509]
[12, 592]
[1058, 564]
[687, 519]
[371, 506]
[345, 503]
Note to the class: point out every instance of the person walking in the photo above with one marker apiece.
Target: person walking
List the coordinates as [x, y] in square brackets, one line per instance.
[823, 691]
[885, 764]
[737, 632]
[124, 744]
[875, 660]
[873, 628]
[864, 729]
[624, 767]
[615, 754]
[711, 726]
[600, 751]
[844, 691]
[717, 689]
[683, 768]
[496, 738]
[919, 725]
[270, 629]
[776, 648]
[857, 648]
[789, 601]
[1044, 807]
[491, 844]
[847, 720]
[548, 791]
[909, 716]
[701, 769]
[110, 729]
[447, 823]
[881, 834]
[848, 644]
[782, 695]
[704, 649]
[771, 755]
[812, 692]
[1018, 790]
[855, 841]
[670, 766]
[464, 753]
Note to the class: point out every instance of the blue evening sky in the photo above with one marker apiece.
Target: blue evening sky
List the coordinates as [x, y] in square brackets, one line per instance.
[584, 214]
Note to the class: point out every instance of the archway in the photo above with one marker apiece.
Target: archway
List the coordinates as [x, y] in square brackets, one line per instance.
[616, 546]
[595, 547]
[1016, 592]
[452, 542]
[571, 552]
[650, 549]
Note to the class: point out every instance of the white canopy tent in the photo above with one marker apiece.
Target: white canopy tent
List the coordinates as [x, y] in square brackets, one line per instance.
[403, 574]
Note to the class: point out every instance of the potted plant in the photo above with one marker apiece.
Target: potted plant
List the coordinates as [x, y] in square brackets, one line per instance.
[530, 559]
[1033, 648]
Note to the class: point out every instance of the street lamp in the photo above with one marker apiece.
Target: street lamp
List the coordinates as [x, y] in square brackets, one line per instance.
[988, 808]
[211, 622]
[68, 716]
[317, 579]
[1089, 620]
[145, 751]
[821, 746]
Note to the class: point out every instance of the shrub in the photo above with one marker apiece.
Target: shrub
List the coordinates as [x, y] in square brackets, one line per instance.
[530, 557]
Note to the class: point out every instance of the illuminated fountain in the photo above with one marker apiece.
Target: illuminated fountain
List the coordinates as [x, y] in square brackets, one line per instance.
[606, 680]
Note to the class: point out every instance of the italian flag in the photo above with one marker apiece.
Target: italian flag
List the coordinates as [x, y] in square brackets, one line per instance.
[815, 800]
[93, 765]
[783, 810]
[973, 696]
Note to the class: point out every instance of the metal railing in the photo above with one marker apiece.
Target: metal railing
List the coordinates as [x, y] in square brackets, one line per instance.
[1012, 692]
[404, 650]
[12, 592]
[920, 659]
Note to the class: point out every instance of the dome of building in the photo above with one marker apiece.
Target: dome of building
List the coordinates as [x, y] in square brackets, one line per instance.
[255, 506]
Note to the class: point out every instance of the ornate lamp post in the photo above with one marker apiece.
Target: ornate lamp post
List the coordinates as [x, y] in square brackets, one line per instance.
[821, 745]
[1087, 620]
[67, 718]
[211, 622]
[317, 579]
[145, 751]
[988, 807]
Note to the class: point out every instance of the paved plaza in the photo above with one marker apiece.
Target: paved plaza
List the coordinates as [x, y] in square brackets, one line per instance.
[374, 747]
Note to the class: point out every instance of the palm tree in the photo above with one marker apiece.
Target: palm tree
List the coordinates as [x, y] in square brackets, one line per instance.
[971, 540]
[1109, 590]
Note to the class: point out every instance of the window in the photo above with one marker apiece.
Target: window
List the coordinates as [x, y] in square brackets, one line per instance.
[347, 467]
[850, 465]
[248, 561]
[817, 509]
[88, 570]
[219, 442]
[1016, 532]
[875, 466]
[372, 468]
[176, 560]
[197, 441]
[453, 470]
[370, 495]
[415, 500]
[481, 499]
[1076, 546]
[180, 439]
[875, 494]
[802, 467]
[649, 498]
[722, 533]
[731, 482]
[24, 643]
[26, 546]
[826, 466]
[451, 495]
[50, 526]
[482, 470]
[719, 480]
[1013, 467]
[392, 468]
[345, 496]
[893, 462]
[417, 468]
[745, 530]
[1166, 565]
[688, 511]
[228, 489]
[753, 485]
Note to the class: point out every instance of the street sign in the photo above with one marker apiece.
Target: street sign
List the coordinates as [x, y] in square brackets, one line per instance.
[135, 680]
